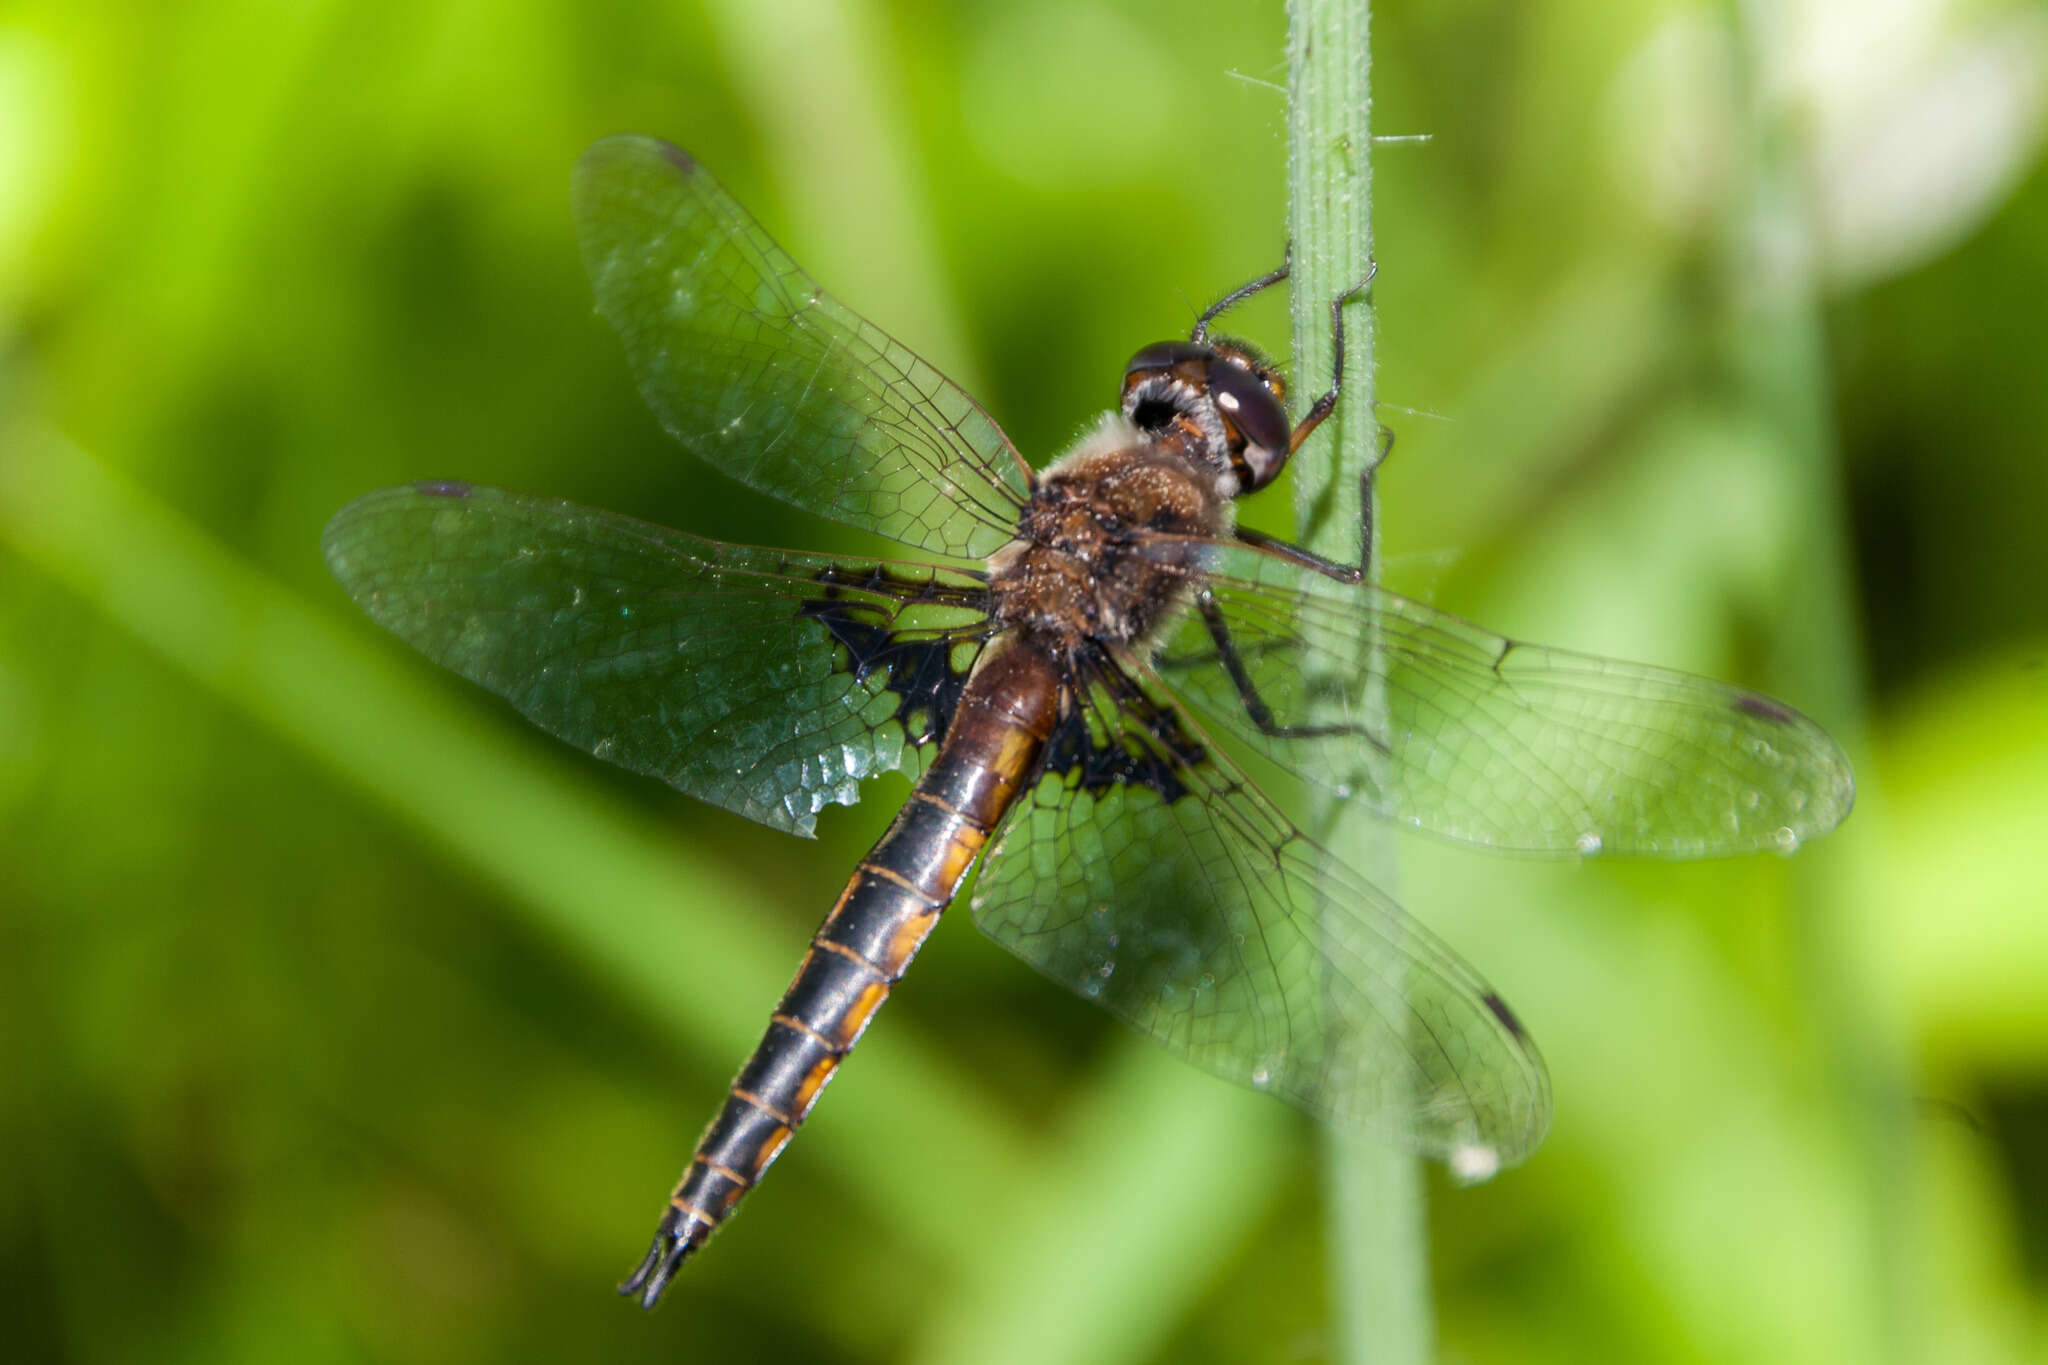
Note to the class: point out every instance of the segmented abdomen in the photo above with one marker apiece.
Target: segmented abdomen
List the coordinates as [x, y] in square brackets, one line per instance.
[990, 751]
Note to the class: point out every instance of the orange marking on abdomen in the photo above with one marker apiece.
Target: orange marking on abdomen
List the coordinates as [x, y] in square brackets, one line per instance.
[860, 1011]
[933, 799]
[683, 1205]
[1019, 751]
[749, 1097]
[791, 1022]
[849, 954]
[961, 850]
[721, 1168]
[904, 943]
[814, 1082]
[896, 878]
[772, 1148]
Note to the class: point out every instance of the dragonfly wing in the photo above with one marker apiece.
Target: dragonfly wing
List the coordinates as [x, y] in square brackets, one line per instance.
[759, 372]
[1145, 872]
[1494, 742]
[768, 682]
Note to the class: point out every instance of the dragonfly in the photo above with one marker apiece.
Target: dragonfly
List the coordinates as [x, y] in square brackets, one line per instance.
[1096, 680]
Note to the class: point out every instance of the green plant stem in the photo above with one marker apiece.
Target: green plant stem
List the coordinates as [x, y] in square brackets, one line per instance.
[1776, 349]
[1379, 1246]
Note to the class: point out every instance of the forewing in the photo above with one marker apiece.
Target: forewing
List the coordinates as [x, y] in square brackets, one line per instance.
[764, 681]
[759, 372]
[1495, 742]
[1144, 871]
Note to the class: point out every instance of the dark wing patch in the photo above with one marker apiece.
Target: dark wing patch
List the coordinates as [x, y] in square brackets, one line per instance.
[724, 670]
[1152, 877]
[1127, 739]
[1504, 1014]
[1763, 708]
[863, 613]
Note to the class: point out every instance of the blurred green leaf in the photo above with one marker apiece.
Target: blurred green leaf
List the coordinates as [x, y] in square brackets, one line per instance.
[342, 1018]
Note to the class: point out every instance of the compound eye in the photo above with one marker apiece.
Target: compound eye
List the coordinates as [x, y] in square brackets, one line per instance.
[1161, 356]
[1250, 407]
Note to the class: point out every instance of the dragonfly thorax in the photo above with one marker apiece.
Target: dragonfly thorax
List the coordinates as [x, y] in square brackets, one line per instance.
[1106, 546]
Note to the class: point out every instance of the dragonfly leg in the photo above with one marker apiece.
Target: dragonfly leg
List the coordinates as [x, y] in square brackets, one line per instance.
[1318, 413]
[1241, 293]
[1248, 692]
[1327, 404]
[1308, 559]
[1381, 451]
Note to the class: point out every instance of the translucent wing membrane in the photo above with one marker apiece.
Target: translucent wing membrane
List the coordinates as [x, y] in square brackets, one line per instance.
[1494, 742]
[1140, 865]
[1145, 872]
[759, 372]
[764, 681]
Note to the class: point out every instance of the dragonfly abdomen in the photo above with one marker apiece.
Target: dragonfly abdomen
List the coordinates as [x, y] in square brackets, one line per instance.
[894, 898]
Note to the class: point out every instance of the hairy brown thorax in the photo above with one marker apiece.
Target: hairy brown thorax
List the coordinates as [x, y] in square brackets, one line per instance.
[1095, 556]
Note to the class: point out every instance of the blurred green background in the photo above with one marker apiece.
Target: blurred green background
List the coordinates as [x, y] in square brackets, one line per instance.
[345, 1019]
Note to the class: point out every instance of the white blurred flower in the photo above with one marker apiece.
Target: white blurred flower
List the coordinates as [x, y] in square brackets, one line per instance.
[1916, 118]
[1919, 119]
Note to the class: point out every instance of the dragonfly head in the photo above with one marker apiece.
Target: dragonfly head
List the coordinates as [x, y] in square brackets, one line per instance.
[1219, 399]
